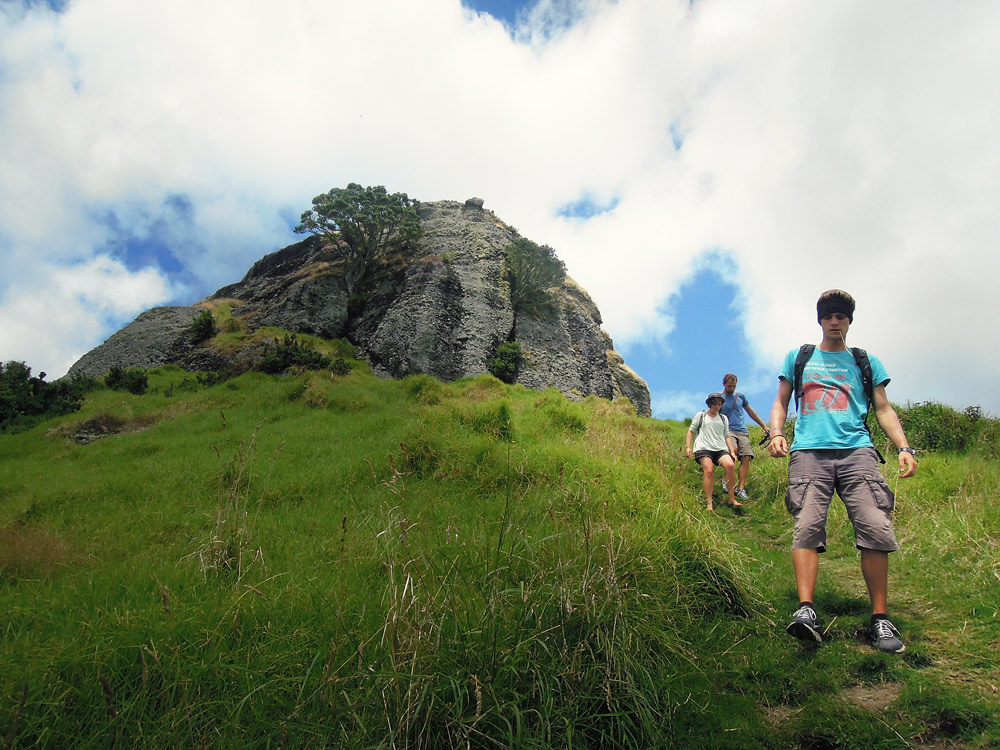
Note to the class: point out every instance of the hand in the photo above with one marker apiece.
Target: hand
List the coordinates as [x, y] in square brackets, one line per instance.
[687, 452]
[907, 465]
[778, 447]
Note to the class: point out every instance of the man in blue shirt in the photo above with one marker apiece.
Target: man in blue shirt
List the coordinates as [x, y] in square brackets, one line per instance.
[832, 451]
[736, 408]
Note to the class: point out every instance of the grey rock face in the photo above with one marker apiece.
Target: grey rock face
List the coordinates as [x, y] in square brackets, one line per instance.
[157, 337]
[440, 307]
[297, 288]
[451, 309]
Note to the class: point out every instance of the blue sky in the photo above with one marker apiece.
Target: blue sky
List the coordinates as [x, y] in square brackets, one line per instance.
[705, 170]
[505, 10]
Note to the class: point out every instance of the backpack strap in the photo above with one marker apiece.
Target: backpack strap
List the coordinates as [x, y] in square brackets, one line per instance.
[865, 365]
[805, 352]
[699, 420]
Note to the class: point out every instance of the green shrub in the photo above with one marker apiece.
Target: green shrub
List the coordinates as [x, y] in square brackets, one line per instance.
[232, 325]
[291, 352]
[340, 366]
[932, 426]
[203, 327]
[27, 400]
[134, 381]
[507, 362]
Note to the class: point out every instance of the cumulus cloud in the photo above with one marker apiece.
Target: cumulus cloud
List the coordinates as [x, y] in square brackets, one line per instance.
[46, 318]
[812, 144]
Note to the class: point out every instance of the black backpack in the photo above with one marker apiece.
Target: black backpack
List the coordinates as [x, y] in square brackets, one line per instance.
[860, 359]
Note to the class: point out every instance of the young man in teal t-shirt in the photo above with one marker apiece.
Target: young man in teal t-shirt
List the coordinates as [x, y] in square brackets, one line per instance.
[832, 451]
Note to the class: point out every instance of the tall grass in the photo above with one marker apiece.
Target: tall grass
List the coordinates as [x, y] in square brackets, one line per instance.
[316, 561]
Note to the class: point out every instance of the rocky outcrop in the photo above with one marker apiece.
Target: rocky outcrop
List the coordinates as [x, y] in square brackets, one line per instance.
[440, 306]
[157, 337]
[450, 310]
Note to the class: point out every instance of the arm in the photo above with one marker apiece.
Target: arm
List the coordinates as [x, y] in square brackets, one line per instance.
[731, 443]
[778, 447]
[888, 420]
[754, 417]
[687, 443]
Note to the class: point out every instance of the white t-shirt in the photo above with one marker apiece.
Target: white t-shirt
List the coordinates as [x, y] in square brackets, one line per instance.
[710, 432]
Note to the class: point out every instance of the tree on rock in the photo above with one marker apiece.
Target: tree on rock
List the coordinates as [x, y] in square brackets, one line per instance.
[368, 221]
[532, 271]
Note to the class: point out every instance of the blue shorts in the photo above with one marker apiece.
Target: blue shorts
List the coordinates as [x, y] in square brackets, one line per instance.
[814, 475]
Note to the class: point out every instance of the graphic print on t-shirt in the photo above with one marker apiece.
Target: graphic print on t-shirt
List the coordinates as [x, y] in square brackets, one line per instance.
[825, 388]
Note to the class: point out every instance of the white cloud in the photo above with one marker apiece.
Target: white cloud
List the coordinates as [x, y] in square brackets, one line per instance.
[845, 144]
[45, 328]
[687, 403]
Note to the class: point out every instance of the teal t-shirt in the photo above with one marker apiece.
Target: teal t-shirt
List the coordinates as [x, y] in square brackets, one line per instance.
[832, 409]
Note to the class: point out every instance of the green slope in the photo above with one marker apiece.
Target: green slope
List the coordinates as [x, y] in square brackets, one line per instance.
[345, 561]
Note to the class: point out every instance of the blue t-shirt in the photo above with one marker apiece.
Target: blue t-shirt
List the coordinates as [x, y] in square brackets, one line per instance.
[734, 409]
[832, 408]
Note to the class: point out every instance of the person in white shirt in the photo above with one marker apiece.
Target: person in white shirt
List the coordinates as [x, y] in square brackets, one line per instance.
[713, 446]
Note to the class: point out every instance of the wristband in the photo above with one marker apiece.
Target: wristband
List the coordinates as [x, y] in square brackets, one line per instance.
[907, 449]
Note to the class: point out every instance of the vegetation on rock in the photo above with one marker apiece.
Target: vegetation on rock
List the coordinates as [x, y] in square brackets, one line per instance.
[290, 352]
[203, 327]
[366, 222]
[532, 271]
[507, 361]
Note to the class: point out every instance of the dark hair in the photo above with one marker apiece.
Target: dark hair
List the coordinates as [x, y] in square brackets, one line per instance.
[729, 376]
[835, 300]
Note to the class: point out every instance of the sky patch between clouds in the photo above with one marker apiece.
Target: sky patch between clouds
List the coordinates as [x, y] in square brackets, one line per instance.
[151, 152]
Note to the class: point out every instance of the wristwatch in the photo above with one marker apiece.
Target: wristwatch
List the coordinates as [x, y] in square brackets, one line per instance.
[906, 449]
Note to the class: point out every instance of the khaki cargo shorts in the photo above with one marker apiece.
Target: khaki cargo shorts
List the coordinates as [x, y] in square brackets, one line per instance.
[814, 475]
[743, 445]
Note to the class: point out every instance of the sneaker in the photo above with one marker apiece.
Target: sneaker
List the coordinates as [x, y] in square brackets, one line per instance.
[885, 637]
[742, 495]
[725, 487]
[805, 625]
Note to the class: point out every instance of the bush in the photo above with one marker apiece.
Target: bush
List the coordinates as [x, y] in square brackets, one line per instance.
[27, 400]
[932, 426]
[134, 381]
[203, 327]
[291, 352]
[507, 362]
[340, 366]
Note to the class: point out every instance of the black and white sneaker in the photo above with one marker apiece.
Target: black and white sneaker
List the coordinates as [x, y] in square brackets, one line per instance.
[805, 625]
[885, 637]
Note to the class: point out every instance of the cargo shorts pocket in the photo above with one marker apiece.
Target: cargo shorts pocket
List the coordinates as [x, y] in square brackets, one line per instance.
[795, 494]
[884, 499]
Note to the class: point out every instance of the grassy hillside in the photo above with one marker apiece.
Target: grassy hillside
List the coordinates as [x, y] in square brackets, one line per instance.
[344, 561]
